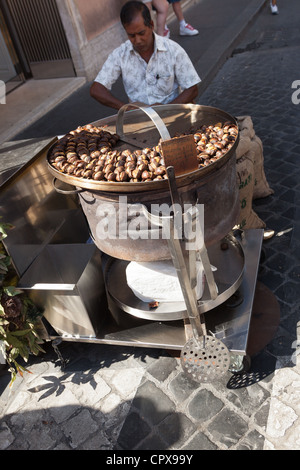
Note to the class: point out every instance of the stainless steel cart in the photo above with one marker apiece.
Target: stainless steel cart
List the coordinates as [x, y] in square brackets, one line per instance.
[84, 291]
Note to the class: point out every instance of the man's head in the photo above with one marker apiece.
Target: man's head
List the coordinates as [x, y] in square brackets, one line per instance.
[133, 8]
[136, 20]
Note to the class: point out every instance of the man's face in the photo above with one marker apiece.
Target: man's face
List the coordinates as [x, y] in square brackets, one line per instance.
[140, 36]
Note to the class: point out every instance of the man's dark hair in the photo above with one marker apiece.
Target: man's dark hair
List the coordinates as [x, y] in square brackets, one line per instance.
[131, 9]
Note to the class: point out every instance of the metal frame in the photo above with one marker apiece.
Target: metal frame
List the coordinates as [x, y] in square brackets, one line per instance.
[229, 323]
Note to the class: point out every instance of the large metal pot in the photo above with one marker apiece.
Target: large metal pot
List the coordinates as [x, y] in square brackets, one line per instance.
[107, 204]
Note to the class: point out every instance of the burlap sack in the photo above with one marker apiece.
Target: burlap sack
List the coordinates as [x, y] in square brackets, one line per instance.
[245, 178]
[243, 145]
[246, 126]
[261, 185]
[250, 141]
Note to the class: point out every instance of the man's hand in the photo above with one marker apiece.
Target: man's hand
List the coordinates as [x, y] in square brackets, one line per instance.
[187, 96]
[104, 96]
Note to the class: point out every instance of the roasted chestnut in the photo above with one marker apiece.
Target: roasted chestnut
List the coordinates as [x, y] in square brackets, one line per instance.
[87, 152]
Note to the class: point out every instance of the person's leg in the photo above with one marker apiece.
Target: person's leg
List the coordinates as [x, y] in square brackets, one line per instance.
[161, 7]
[274, 8]
[148, 4]
[178, 11]
[185, 29]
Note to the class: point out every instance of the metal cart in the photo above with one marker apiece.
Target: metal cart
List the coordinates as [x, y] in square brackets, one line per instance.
[84, 292]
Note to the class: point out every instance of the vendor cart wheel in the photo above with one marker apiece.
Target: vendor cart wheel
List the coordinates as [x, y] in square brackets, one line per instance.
[239, 364]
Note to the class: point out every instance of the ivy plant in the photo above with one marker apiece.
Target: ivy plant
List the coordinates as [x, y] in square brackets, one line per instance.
[19, 317]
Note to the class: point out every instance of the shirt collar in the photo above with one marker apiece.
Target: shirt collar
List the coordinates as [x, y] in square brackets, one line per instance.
[159, 43]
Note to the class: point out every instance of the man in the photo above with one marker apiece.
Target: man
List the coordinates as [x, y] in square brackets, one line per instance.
[154, 69]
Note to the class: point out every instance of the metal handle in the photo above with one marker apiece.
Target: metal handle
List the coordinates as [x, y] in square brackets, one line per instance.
[157, 121]
[63, 191]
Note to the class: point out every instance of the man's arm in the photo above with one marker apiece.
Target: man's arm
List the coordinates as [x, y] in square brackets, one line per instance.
[186, 96]
[104, 96]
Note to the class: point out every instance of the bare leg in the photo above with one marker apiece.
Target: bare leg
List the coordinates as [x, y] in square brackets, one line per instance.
[178, 11]
[161, 15]
[161, 7]
[184, 28]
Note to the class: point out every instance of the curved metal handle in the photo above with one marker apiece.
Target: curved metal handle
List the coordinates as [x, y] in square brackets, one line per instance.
[157, 121]
[63, 191]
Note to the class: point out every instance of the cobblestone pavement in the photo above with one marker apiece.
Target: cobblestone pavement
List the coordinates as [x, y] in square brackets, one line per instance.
[111, 398]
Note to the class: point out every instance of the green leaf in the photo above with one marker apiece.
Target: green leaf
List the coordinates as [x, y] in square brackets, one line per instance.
[12, 291]
[3, 321]
[4, 228]
[15, 342]
[13, 353]
[7, 259]
[20, 332]
[13, 375]
[2, 332]
[5, 262]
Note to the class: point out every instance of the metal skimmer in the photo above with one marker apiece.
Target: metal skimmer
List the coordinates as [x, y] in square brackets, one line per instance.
[205, 359]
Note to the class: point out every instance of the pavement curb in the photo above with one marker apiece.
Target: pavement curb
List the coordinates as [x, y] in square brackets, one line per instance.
[44, 107]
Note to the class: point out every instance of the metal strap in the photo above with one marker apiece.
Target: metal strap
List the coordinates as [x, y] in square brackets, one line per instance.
[157, 121]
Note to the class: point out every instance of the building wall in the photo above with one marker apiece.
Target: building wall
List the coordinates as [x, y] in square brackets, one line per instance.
[98, 16]
[93, 30]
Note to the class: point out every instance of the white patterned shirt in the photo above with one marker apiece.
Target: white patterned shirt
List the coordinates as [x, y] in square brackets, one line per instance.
[168, 72]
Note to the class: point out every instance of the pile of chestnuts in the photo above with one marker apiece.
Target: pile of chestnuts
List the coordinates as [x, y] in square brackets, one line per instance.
[89, 152]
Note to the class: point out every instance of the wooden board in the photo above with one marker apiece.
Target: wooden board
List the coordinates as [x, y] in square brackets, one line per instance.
[181, 153]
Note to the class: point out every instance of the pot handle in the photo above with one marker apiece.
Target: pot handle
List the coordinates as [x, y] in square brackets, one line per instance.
[63, 191]
[155, 118]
